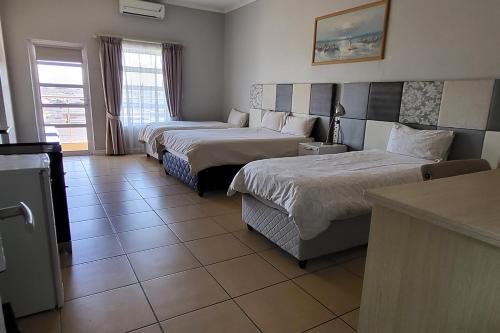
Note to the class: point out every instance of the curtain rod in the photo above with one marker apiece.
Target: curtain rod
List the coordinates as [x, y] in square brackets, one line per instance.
[135, 39]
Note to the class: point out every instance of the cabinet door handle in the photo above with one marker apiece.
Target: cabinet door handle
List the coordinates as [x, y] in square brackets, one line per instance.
[20, 209]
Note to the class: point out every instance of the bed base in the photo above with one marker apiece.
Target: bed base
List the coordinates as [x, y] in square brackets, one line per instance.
[275, 224]
[148, 150]
[211, 179]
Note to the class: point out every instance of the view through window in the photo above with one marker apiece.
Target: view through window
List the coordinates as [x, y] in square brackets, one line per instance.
[63, 103]
[143, 96]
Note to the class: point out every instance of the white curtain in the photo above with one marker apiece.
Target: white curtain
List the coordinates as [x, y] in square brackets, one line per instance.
[143, 98]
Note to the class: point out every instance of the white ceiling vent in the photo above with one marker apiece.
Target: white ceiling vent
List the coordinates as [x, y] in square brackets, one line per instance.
[142, 8]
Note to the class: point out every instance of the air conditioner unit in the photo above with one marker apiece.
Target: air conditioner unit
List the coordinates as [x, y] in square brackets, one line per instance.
[142, 8]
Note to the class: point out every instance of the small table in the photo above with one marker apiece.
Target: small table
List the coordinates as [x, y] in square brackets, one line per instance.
[320, 148]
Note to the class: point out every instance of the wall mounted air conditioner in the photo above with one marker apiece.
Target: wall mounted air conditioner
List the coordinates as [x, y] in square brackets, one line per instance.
[142, 8]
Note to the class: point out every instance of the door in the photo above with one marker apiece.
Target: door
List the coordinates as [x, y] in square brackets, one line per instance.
[60, 78]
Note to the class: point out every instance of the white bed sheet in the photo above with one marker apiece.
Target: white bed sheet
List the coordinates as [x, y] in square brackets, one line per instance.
[153, 132]
[315, 190]
[215, 147]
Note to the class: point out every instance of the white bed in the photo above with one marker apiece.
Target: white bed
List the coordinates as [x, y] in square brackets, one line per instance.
[315, 190]
[151, 135]
[203, 149]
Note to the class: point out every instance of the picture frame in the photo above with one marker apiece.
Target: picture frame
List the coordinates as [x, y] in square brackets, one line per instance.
[353, 35]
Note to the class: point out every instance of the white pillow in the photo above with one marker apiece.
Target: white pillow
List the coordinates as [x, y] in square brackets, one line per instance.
[274, 120]
[301, 126]
[426, 144]
[237, 118]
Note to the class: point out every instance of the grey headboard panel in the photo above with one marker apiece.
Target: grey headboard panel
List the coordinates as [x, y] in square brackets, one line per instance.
[471, 108]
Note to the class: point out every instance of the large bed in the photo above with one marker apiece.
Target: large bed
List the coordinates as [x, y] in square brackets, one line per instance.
[315, 205]
[208, 159]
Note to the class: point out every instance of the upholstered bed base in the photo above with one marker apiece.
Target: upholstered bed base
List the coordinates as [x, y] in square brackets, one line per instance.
[279, 228]
[211, 179]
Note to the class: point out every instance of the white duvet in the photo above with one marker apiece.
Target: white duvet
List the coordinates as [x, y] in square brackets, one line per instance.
[315, 190]
[154, 131]
[203, 149]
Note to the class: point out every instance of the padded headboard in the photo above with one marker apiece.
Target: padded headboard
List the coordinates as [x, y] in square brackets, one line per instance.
[471, 108]
[301, 100]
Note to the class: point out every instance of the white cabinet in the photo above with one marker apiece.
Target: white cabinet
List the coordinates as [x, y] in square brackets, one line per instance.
[32, 280]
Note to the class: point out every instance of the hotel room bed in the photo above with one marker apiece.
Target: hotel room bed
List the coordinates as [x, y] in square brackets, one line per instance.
[314, 205]
[151, 135]
[208, 159]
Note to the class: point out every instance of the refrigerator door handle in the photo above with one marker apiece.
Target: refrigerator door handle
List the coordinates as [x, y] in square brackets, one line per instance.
[20, 209]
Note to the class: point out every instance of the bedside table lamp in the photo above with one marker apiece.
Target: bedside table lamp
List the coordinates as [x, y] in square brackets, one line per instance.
[339, 112]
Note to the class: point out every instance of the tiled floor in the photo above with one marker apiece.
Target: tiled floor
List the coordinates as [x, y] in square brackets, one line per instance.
[150, 256]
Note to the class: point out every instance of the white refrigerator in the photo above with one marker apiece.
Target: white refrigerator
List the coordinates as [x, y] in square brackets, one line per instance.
[31, 281]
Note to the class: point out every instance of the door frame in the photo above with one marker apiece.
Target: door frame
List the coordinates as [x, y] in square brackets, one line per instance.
[32, 44]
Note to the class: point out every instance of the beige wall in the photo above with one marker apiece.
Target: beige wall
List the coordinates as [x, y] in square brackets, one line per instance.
[270, 41]
[201, 33]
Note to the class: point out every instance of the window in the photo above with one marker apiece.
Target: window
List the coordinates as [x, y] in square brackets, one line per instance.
[63, 103]
[143, 96]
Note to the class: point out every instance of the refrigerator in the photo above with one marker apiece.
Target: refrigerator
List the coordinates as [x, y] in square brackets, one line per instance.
[31, 281]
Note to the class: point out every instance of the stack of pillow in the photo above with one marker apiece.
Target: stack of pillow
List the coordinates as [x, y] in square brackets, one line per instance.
[287, 124]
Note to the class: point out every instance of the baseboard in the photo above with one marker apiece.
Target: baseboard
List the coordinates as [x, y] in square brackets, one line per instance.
[100, 152]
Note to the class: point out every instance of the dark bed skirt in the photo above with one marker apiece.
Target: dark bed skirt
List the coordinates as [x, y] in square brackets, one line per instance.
[211, 179]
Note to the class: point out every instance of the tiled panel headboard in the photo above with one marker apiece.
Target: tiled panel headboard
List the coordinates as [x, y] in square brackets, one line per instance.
[471, 108]
[299, 99]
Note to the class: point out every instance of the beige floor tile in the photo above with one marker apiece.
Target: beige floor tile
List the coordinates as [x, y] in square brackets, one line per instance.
[136, 221]
[75, 174]
[83, 200]
[283, 308]
[146, 175]
[112, 187]
[145, 183]
[246, 274]
[145, 239]
[334, 326]
[77, 182]
[181, 214]
[91, 249]
[107, 179]
[183, 292]
[118, 310]
[97, 276]
[119, 196]
[90, 228]
[126, 207]
[289, 266]
[86, 213]
[169, 201]
[79, 190]
[218, 248]
[222, 317]
[335, 287]
[196, 229]
[151, 192]
[231, 222]
[46, 322]
[352, 318]
[254, 240]
[356, 266]
[149, 329]
[162, 261]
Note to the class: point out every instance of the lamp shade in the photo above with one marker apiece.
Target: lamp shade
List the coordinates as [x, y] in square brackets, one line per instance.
[339, 110]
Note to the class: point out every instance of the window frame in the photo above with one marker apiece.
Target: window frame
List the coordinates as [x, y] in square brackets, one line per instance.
[36, 85]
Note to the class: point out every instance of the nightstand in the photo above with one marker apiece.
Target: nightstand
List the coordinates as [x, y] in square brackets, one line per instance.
[320, 148]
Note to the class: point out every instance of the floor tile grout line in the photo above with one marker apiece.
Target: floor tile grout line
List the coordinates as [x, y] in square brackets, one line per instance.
[345, 322]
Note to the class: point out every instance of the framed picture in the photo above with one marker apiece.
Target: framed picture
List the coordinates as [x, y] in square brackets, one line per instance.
[352, 35]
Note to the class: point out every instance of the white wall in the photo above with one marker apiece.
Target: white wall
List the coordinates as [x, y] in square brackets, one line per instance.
[270, 41]
[201, 33]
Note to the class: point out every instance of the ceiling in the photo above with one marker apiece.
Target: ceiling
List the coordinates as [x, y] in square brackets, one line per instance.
[219, 6]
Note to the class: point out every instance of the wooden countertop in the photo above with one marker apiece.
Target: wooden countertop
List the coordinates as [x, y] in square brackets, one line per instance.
[469, 204]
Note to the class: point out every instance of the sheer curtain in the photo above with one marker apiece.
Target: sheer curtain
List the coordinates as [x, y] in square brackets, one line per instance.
[143, 98]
